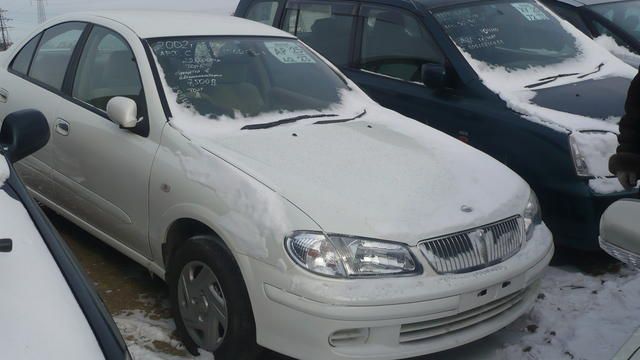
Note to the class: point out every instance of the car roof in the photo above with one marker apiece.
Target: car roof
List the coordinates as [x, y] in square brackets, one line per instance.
[155, 23]
[579, 3]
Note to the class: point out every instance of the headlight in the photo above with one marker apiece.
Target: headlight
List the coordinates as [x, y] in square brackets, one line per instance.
[532, 215]
[343, 256]
[591, 151]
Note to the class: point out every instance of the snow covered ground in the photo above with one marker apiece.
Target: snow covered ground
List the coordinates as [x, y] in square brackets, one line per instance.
[576, 316]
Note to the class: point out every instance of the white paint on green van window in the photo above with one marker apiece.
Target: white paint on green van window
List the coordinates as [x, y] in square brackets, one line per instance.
[289, 52]
[530, 11]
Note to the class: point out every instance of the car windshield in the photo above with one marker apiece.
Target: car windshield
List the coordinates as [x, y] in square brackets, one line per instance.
[509, 34]
[625, 14]
[239, 77]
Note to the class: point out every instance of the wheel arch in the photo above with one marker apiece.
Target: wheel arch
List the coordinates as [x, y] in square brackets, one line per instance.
[180, 230]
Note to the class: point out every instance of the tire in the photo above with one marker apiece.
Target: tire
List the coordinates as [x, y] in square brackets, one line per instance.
[198, 321]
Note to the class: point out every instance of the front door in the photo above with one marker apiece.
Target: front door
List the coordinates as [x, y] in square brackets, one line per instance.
[392, 48]
[102, 171]
[382, 49]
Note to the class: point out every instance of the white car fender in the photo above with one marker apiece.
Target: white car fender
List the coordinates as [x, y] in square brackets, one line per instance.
[191, 183]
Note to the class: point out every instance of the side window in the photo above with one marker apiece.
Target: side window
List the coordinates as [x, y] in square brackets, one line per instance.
[107, 69]
[326, 27]
[570, 15]
[624, 14]
[52, 57]
[21, 62]
[263, 11]
[396, 44]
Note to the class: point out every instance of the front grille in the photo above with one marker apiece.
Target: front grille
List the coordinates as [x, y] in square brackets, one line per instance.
[475, 249]
[425, 330]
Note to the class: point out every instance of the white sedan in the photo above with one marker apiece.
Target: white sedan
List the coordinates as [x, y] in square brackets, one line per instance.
[283, 207]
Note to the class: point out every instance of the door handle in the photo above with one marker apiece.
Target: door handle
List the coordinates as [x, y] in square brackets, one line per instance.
[4, 95]
[6, 245]
[62, 127]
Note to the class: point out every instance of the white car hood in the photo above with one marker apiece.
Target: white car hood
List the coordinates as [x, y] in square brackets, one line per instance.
[39, 316]
[384, 177]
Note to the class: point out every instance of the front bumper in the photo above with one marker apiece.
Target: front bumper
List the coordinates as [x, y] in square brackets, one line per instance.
[573, 213]
[310, 317]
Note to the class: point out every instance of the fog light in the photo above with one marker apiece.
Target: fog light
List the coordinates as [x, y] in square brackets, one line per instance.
[349, 337]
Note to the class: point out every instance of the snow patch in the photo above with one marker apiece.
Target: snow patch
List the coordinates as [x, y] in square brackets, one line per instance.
[621, 52]
[596, 149]
[606, 186]
[142, 334]
[510, 84]
[257, 212]
[589, 317]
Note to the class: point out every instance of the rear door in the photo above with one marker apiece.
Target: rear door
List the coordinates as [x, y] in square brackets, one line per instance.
[102, 170]
[393, 45]
[34, 79]
[382, 49]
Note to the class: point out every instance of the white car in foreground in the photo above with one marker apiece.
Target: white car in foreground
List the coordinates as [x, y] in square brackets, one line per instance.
[48, 308]
[282, 206]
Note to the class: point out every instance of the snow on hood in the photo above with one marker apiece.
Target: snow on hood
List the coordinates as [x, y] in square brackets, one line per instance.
[621, 52]
[596, 149]
[381, 176]
[509, 84]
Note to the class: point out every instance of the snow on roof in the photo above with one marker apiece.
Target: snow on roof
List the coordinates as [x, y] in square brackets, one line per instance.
[155, 23]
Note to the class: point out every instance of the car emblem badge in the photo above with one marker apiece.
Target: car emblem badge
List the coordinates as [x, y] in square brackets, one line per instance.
[480, 240]
[466, 209]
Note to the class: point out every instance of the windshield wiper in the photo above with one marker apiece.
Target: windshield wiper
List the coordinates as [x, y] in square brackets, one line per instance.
[322, 122]
[286, 121]
[598, 68]
[549, 79]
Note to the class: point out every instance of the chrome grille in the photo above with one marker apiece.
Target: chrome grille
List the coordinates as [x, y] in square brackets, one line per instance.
[474, 249]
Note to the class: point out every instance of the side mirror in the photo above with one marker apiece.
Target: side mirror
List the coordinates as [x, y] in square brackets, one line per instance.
[434, 76]
[23, 133]
[123, 111]
[620, 233]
